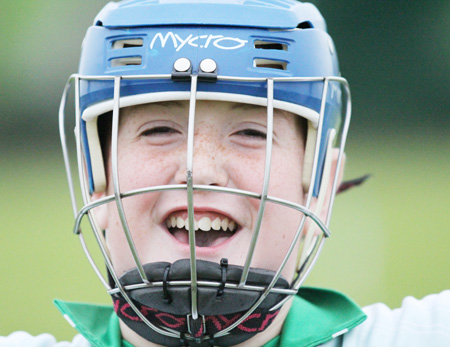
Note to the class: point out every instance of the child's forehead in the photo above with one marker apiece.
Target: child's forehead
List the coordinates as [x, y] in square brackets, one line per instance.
[181, 107]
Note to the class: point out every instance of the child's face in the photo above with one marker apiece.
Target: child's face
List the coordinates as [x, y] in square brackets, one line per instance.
[229, 151]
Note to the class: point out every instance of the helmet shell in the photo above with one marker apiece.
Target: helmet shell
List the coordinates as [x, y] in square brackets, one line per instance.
[246, 39]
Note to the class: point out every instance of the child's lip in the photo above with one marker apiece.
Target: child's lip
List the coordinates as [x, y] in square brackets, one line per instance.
[199, 213]
[202, 221]
[206, 236]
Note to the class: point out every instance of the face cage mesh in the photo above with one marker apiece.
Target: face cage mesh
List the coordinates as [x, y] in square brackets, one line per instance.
[310, 243]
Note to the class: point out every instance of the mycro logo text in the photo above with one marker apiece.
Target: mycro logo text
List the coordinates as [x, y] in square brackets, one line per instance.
[202, 41]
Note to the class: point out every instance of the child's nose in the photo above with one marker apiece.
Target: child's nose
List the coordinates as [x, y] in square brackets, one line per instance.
[208, 161]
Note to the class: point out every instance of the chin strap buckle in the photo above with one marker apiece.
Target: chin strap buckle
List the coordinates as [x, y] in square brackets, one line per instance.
[187, 341]
[196, 333]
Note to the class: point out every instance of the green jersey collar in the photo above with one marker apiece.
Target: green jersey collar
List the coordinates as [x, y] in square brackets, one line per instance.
[97, 323]
[316, 316]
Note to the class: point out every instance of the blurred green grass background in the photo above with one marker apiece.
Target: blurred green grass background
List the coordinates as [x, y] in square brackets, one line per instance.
[390, 237]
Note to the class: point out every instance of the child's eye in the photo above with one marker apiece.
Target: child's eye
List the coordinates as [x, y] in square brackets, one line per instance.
[161, 130]
[252, 133]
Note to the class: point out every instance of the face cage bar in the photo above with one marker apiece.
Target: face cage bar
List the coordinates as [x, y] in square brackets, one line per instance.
[313, 247]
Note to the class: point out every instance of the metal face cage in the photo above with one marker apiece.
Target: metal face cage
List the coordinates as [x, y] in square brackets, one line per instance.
[310, 241]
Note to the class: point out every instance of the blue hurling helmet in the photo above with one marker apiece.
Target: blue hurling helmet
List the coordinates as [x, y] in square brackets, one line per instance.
[270, 53]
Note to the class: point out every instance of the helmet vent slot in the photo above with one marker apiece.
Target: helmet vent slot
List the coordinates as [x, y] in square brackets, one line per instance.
[126, 61]
[305, 25]
[128, 43]
[271, 45]
[270, 64]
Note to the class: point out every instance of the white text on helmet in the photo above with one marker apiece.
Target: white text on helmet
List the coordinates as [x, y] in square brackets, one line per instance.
[202, 41]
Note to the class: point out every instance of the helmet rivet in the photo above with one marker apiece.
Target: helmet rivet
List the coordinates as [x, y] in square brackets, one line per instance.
[182, 65]
[208, 65]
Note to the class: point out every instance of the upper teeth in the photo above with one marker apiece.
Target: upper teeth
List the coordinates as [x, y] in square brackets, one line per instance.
[204, 224]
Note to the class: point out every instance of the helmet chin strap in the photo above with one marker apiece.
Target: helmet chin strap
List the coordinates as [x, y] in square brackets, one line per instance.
[166, 304]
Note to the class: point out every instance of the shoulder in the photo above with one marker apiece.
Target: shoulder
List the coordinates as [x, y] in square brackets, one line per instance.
[423, 322]
[21, 338]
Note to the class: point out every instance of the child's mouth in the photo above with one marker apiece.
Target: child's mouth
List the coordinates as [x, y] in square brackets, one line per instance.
[210, 231]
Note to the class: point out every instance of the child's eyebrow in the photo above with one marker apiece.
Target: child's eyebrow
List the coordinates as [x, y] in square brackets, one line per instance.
[246, 107]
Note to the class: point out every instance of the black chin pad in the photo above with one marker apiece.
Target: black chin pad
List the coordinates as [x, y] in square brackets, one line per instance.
[209, 302]
[169, 306]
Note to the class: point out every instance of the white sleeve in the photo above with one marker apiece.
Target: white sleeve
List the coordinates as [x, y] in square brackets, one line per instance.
[21, 339]
[418, 323]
